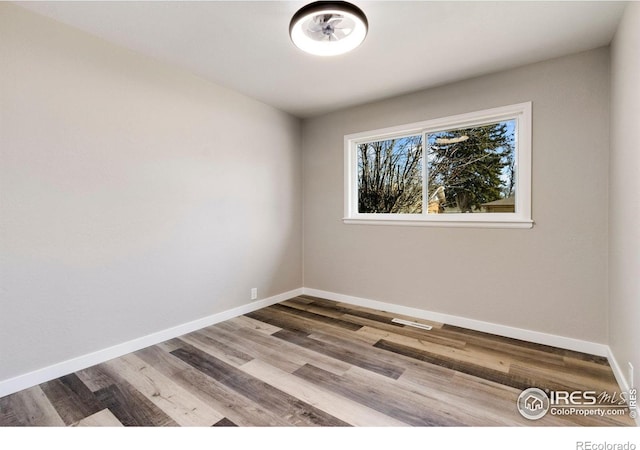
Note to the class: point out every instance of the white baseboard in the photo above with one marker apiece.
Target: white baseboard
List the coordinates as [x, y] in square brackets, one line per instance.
[617, 372]
[620, 378]
[592, 348]
[82, 362]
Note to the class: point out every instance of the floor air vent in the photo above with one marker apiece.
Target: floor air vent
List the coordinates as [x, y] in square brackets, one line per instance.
[412, 324]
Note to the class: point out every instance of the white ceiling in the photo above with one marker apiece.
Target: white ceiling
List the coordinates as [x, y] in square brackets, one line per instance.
[411, 45]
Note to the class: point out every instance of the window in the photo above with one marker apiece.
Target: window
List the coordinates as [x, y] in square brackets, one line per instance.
[467, 170]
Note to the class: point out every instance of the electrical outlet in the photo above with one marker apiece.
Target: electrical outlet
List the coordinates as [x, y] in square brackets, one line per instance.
[630, 375]
[254, 293]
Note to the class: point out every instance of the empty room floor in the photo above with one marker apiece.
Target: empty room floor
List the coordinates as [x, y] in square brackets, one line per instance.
[314, 362]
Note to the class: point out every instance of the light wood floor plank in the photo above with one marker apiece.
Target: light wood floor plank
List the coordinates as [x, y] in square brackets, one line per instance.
[434, 403]
[104, 418]
[405, 409]
[484, 404]
[299, 412]
[350, 412]
[238, 409]
[179, 404]
[256, 325]
[29, 407]
[281, 354]
[403, 362]
[483, 359]
[365, 360]
[230, 354]
[562, 379]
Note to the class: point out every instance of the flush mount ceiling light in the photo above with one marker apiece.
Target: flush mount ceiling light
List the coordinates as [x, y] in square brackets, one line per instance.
[328, 28]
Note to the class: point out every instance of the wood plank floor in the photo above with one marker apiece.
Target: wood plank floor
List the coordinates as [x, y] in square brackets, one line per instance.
[313, 362]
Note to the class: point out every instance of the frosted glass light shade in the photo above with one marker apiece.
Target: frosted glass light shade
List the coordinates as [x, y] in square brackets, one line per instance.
[328, 28]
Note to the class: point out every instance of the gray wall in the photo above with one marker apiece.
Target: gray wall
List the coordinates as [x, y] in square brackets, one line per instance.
[552, 278]
[134, 196]
[624, 203]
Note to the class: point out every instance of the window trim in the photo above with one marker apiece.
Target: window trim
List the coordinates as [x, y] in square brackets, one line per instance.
[520, 112]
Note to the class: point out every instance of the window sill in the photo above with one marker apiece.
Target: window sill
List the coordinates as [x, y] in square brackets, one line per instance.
[441, 223]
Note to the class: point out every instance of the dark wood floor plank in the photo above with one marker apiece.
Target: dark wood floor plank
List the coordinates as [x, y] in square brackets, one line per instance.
[490, 344]
[365, 313]
[229, 353]
[300, 413]
[224, 422]
[479, 336]
[286, 321]
[95, 378]
[131, 408]
[301, 299]
[170, 345]
[237, 408]
[273, 320]
[316, 317]
[365, 319]
[301, 325]
[71, 398]
[309, 306]
[405, 409]
[357, 359]
[335, 308]
[179, 404]
[415, 333]
[316, 300]
[383, 356]
[355, 312]
[288, 318]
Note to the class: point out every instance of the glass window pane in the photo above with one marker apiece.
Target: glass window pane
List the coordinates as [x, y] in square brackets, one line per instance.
[390, 176]
[471, 170]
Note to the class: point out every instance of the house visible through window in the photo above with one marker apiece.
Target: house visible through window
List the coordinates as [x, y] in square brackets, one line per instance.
[467, 170]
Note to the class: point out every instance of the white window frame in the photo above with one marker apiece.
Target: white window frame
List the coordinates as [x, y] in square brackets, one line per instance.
[520, 112]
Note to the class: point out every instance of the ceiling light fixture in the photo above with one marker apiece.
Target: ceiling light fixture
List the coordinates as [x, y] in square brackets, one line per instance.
[328, 28]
